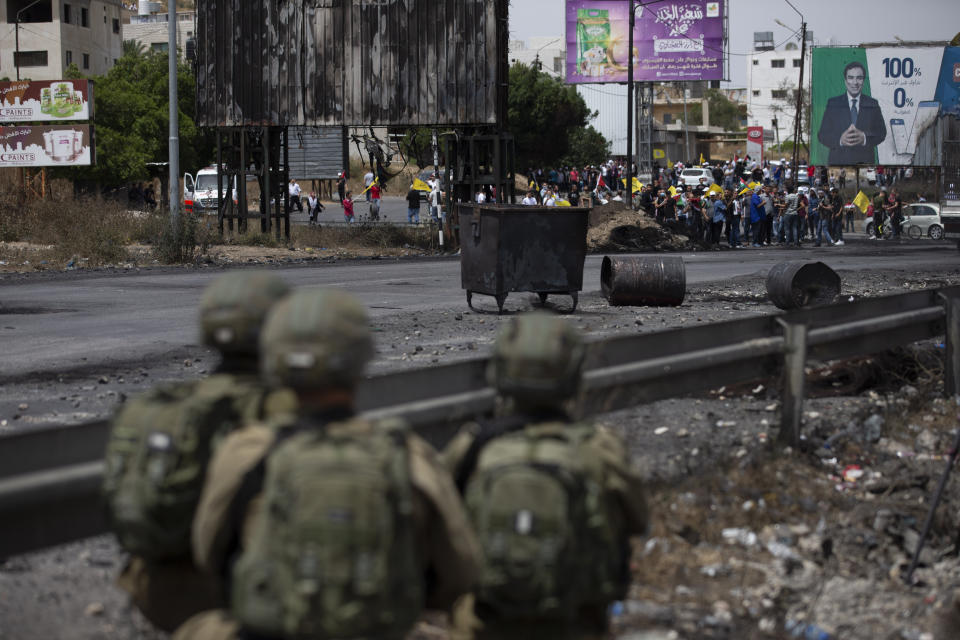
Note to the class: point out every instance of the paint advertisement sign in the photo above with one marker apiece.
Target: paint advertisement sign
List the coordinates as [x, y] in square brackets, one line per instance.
[67, 145]
[755, 143]
[672, 40]
[46, 101]
[878, 105]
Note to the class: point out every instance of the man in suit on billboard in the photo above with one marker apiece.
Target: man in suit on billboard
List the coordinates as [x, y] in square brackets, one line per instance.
[852, 124]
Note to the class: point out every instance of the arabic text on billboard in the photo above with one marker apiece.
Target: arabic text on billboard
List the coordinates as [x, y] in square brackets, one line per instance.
[49, 101]
[672, 40]
[880, 105]
[66, 145]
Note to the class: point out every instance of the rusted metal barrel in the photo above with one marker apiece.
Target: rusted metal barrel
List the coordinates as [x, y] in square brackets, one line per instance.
[644, 281]
[792, 285]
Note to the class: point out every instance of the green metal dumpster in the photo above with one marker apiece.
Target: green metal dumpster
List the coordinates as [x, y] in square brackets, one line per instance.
[506, 248]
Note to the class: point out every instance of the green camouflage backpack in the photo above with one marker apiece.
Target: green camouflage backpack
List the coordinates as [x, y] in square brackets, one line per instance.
[536, 501]
[157, 455]
[332, 553]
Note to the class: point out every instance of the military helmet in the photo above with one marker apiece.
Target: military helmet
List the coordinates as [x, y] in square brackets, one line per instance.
[233, 309]
[537, 358]
[316, 338]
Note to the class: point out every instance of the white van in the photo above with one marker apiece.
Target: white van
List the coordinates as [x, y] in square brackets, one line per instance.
[200, 193]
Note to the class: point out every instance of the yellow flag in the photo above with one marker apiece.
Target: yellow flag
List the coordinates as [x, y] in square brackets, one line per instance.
[658, 154]
[375, 181]
[715, 188]
[862, 202]
[744, 190]
[420, 185]
[561, 203]
[672, 191]
[752, 185]
[669, 163]
[636, 184]
[701, 158]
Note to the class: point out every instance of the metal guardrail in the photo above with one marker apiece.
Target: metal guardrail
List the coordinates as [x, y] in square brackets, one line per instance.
[50, 478]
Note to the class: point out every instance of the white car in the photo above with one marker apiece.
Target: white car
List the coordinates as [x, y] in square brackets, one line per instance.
[692, 176]
[920, 219]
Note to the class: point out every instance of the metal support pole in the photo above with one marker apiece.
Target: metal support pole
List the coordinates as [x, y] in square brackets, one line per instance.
[16, 50]
[798, 118]
[951, 374]
[221, 205]
[795, 358]
[174, 151]
[630, 108]
[242, 207]
[686, 124]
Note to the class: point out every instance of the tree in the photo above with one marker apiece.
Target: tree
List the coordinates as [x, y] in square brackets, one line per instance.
[587, 146]
[543, 114]
[723, 112]
[131, 119]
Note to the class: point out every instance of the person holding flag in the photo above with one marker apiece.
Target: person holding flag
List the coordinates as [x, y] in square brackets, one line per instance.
[862, 202]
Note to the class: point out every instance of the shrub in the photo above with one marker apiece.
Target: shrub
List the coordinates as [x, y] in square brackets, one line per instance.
[183, 241]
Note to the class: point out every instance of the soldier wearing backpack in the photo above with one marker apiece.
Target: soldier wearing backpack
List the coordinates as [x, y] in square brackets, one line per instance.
[161, 442]
[553, 502]
[327, 525]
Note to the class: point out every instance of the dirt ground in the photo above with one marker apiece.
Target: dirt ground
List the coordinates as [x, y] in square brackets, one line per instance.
[748, 540]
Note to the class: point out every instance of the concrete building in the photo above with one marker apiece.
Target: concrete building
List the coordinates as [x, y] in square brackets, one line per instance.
[149, 26]
[55, 33]
[772, 79]
[551, 52]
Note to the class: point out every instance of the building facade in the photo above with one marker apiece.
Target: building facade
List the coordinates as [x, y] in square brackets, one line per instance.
[150, 27]
[43, 38]
[772, 79]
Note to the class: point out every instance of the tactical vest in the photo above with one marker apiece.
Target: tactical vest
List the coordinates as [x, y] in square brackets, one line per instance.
[536, 500]
[157, 455]
[332, 553]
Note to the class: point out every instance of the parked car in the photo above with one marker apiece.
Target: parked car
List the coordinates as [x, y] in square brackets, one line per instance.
[692, 176]
[920, 219]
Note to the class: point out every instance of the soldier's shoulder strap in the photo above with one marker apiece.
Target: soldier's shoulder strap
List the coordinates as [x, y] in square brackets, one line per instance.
[489, 430]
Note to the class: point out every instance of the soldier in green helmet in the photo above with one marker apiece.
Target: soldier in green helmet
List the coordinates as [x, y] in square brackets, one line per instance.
[161, 442]
[553, 502]
[327, 525]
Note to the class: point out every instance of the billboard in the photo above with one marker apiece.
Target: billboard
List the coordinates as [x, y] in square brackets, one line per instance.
[65, 145]
[672, 40]
[46, 101]
[879, 105]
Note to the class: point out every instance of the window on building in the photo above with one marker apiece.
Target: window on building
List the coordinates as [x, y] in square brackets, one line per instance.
[779, 94]
[116, 25]
[67, 17]
[668, 118]
[796, 63]
[159, 46]
[778, 64]
[29, 11]
[84, 17]
[30, 58]
[86, 61]
[68, 57]
[756, 62]
[756, 93]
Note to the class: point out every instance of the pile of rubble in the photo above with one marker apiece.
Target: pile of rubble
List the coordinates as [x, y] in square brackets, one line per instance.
[615, 227]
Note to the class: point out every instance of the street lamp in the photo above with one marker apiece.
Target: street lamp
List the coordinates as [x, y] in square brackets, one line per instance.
[799, 111]
[16, 53]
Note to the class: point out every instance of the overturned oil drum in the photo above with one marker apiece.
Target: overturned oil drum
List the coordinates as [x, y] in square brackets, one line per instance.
[793, 285]
[644, 281]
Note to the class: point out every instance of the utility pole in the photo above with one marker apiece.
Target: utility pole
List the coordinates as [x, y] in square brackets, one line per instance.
[686, 124]
[630, 109]
[797, 122]
[174, 150]
[16, 28]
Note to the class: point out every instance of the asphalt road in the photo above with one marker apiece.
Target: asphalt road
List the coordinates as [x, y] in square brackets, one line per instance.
[51, 325]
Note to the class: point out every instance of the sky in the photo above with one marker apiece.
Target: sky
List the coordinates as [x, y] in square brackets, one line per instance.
[833, 22]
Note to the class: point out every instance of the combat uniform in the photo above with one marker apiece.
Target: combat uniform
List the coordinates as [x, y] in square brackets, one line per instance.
[553, 501]
[160, 576]
[623, 488]
[318, 342]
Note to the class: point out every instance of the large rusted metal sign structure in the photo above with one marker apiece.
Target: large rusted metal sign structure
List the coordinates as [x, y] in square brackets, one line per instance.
[263, 66]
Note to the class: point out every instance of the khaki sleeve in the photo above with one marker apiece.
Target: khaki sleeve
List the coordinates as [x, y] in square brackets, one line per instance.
[452, 552]
[622, 481]
[457, 448]
[239, 453]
